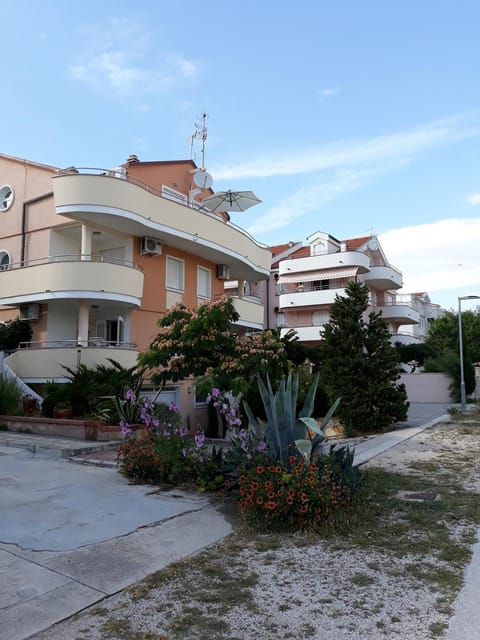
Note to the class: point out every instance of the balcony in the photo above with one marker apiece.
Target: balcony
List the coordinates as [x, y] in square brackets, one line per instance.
[39, 362]
[383, 278]
[250, 309]
[405, 338]
[71, 277]
[309, 298]
[305, 334]
[355, 260]
[139, 210]
[399, 314]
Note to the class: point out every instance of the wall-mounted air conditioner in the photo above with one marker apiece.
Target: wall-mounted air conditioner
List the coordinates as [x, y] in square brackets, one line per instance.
[150, 246]
[29, 311]
[223, 272]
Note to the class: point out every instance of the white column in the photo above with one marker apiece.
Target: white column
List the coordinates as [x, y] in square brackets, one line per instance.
[83, 316]
[241, 288]
[86, 248]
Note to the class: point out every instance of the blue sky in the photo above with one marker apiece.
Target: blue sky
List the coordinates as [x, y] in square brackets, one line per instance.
[349, 117]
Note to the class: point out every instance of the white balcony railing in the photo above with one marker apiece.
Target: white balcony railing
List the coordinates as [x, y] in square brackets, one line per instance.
[40, 362]
[72, 277]
[97, 198]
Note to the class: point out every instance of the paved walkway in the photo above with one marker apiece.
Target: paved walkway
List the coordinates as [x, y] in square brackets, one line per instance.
[67, 539]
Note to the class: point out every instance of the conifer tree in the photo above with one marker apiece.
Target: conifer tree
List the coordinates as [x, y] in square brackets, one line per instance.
[360, 365]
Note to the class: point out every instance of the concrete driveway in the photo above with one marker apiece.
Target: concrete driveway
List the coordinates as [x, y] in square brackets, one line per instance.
[72, 534]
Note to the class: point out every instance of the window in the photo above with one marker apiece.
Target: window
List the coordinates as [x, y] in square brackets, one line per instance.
[204, 283]
[281, 320]
[200, 398]
[4, 260]
[175, 274]
[6, 197]
[319, 318]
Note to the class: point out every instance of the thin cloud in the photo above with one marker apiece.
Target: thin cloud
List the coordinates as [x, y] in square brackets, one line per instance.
[308, 200]
[117, 60]
[346, 153]
[327, 93]
[438, 256]
[474, 198]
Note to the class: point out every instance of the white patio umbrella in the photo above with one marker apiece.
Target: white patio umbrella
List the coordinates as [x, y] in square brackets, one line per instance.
[230, 201]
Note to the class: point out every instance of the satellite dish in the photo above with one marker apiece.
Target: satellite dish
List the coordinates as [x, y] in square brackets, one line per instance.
[202, 179]
[372, 244]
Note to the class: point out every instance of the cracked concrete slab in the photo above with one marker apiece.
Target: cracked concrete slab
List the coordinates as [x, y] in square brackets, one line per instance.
[72, 534]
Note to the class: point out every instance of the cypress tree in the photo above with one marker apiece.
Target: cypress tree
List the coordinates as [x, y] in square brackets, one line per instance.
[360, 365]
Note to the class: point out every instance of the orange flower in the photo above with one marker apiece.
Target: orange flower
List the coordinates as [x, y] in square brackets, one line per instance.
[303, 497]
[303, 508]
[254, 486]
[271, 494]
[260, 469]
[268, 484]
[259, 500]
[271, 505]
[289, 500]
[280, 492]
[242, 478]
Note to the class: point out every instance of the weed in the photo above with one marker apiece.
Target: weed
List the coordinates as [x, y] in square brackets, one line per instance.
[361, 579]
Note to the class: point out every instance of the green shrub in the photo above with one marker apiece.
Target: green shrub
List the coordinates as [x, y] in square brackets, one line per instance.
[170, 456]
[449, 363]
[10, 397]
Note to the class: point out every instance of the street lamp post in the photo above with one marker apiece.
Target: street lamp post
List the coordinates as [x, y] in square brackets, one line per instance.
[463, 398]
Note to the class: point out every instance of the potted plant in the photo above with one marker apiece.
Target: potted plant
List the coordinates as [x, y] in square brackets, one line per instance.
[30, 405]
[63, 410]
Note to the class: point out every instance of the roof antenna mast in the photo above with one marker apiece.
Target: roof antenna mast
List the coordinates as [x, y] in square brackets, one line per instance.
[201, 134]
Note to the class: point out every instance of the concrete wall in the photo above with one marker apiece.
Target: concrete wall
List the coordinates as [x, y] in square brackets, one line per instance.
[427, 387]
[74, 429]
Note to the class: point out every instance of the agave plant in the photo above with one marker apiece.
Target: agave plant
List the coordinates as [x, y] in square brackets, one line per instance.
[284, 432]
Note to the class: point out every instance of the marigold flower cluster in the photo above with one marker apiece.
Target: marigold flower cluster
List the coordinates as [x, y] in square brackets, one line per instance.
[272, 497]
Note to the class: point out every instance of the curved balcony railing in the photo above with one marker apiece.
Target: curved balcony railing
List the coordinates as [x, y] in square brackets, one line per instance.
[82, 257]
[38, 362]
[95, 343]
[72, 277]
[120, 175]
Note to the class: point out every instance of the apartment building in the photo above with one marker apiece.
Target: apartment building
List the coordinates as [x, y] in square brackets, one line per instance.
[93, 257]
[305, 280]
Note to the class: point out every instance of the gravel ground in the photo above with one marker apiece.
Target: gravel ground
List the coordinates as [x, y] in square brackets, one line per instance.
[281, 587]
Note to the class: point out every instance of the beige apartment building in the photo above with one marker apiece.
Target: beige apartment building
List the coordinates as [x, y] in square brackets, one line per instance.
[305, 279]
[93, 257]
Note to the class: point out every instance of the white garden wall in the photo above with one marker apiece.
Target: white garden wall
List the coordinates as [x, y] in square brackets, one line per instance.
[427, 387]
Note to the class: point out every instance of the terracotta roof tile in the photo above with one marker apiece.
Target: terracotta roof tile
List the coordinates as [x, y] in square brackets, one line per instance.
[355, 243]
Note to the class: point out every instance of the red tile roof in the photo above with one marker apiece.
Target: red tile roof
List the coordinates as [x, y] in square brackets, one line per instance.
[354, 243]
[279, 248]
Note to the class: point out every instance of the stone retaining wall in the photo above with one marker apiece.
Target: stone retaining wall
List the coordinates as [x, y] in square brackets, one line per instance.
[77, 429]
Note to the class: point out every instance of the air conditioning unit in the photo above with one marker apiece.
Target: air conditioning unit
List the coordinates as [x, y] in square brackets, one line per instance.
[223, 272]
[29, 312]
[150, 247]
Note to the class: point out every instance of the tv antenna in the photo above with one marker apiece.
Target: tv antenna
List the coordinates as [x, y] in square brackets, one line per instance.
[200, 133]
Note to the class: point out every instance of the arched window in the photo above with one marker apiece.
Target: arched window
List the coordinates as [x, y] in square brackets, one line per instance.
[6, 197]
[5, 261]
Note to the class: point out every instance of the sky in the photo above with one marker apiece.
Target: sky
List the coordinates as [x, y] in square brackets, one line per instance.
[354, 118]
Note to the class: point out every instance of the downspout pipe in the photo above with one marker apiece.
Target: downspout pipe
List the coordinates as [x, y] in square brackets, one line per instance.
[26, 204]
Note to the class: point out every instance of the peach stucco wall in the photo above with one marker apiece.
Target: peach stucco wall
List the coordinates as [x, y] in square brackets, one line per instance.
[154, 302]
